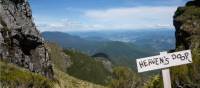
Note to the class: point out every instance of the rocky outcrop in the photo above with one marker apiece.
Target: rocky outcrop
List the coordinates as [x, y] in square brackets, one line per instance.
[187, 24]
[106, 63]
[20, 41]
[105, 60]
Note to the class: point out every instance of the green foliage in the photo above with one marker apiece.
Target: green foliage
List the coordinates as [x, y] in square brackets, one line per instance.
[12, 76]
[120, 53]
[67, 81]
[86, 68]
[125, 78]
[58, 57]
[190, 12]
[60, 68]
[123, 54]
[154, 82]
[188, 75]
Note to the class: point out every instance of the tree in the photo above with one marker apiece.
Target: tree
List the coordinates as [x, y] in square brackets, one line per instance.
[154, 82]
[124, 77]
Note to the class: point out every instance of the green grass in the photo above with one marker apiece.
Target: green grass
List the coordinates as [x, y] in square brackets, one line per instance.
[58, 57]
[67, 81]
[86, 68]
[154, 82]
[188, 75]
[12, 76]
[124, 77]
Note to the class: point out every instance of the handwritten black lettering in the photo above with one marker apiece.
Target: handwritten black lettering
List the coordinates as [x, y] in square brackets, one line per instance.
[166, 61]
[150, 61]
[173, 56]
[156, 59]
[145, 63]
[183, 57]
[161, 60]
[179, 56]
[141, 64]
[186, 56]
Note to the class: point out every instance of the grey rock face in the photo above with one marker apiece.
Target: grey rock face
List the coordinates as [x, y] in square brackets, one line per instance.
[187, 24]
[20, 41]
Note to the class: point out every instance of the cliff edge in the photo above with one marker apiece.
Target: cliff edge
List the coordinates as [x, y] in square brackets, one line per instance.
[187, 24]
[20, 41]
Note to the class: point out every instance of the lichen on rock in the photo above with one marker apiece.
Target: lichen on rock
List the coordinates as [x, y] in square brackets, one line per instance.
[187, 24]
[20, 41]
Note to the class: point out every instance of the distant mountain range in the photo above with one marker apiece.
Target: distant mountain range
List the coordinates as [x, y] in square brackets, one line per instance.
[122, 47]
[159, 39]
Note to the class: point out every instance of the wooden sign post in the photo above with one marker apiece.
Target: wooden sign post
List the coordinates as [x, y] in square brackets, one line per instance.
[164, 61]
[166, 75]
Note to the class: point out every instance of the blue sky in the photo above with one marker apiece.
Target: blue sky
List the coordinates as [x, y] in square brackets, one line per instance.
[89, 15]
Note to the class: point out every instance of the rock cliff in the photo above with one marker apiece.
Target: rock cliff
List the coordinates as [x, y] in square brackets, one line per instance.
[20, 41]
[187, 24]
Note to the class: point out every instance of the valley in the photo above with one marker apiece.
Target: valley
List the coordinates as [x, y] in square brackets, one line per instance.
[122, 47]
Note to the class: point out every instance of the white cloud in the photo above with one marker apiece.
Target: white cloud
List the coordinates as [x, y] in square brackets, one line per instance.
[133, 12]
[111, 19]
[133, 17]
[66, 25]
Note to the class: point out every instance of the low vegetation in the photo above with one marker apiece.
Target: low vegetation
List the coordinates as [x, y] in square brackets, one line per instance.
[87, 68]
[124, 77]
[59, 59]
[154, 82]
[187, 21]
[67, 81]
[12, 76]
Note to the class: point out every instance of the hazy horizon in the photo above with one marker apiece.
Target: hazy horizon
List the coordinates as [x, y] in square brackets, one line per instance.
[93, 15]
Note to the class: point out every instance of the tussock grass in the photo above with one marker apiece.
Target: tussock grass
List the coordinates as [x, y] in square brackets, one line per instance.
[12, 76]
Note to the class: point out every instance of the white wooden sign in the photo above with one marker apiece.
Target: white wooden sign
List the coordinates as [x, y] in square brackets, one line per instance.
[164, 61]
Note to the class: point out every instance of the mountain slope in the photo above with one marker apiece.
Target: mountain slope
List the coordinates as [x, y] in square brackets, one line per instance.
[24, 57]
[67, 81]
[14, 76]
[120, 53]
[68, 41]
[59, 59]
[87, 68]
[79, 65]
[158, 39]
